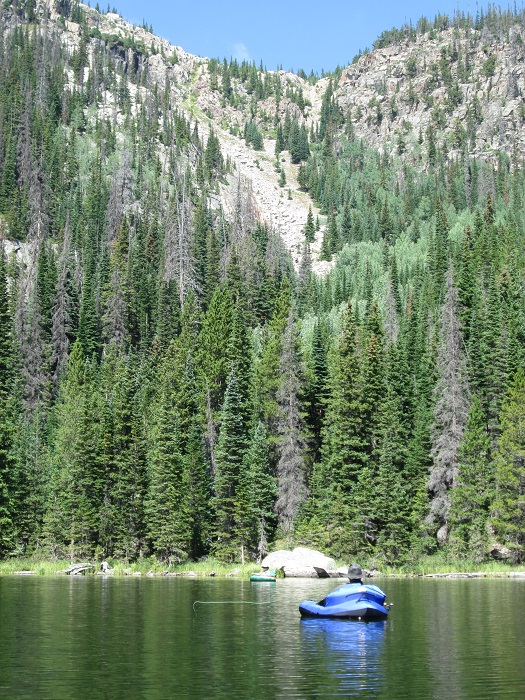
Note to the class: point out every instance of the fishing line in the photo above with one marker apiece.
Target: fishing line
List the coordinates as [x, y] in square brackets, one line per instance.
[230, 602]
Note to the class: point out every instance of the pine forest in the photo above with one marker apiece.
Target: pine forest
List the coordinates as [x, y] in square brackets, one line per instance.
[178, 380]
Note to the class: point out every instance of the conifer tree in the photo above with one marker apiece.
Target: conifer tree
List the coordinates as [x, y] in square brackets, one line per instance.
[471, 497]
[316, 391]
[373, 379]
[214, 362]
[125, 479]
[309, 227]
[266, 380]
[88, 324]
[343, 449]
[167, 507]
[229, 459]
[7, 367]
[197, 467]
[226, 81]
[279, 140]
[389, 493]
[304, 291]
[260, 492]
[77, 490]
[509, 515]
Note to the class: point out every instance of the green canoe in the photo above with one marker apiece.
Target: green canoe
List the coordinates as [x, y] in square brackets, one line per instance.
[268, 577]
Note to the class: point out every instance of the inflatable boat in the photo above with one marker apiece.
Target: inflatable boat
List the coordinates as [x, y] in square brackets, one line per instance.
[353, 601]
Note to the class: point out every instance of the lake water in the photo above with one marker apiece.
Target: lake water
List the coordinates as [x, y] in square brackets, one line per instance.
[148, 638]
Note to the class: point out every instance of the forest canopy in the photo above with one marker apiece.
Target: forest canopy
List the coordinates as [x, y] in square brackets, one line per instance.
[171, 386]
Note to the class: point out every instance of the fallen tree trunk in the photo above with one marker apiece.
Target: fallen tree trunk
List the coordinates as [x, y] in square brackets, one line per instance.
[77, 569]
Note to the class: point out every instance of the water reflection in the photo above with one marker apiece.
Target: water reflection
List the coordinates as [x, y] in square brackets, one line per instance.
[349, 652]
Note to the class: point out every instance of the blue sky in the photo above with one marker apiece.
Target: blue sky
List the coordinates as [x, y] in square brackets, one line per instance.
[294, 33]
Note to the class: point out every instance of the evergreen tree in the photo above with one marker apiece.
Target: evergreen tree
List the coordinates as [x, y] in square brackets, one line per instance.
[71, 523]
[259, 489]
[390, 496]
[472, 494]
[167, 506]
[309, 227]
[123, 530]
[229, 459]
[7, 367]
[279, 140]
[316, 391]
[343, 449]
[509, 459]
[88, 324]
[226, 81]
[197, 467]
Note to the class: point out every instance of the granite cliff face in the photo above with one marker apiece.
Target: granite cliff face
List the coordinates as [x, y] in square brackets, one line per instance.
[464, 86]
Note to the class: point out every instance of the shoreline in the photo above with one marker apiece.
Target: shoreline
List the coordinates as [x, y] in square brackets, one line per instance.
[213, 569]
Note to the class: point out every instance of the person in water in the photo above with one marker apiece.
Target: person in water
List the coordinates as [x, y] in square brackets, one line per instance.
[355, 573]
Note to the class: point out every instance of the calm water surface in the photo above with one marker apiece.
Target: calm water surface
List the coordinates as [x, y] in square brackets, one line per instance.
[148, 638]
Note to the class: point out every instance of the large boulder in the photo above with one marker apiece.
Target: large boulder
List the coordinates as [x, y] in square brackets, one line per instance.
[301, 563]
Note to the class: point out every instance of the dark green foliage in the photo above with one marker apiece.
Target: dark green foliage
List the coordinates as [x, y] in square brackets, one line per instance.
[7, 427]
[226, 85]
[124, 456]
[298, 142]
[88, 323]
[489, 66]
[229, 472]
[167, 505]
[253, 136]
[71, 525]
[213, 159]
[509, 518]
[291, 445]
[316, 391]
[309, 227]
[471, 498]
[279, 140]
[259, 494]
[343, 448]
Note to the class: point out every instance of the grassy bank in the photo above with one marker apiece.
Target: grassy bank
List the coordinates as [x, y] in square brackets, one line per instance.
[439, 564]
[209, 567]
[426, 566]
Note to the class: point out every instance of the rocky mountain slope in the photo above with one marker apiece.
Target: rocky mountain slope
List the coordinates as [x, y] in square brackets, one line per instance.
[463, 85]
[187, 78]
[454, 87]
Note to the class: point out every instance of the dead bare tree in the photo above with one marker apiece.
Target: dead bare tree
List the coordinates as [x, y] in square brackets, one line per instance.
[28, 325]
[121, 193]
[450, 413]
[179, 260]
[61, 322]
[291, 447]
[391, 322]
[116, 310]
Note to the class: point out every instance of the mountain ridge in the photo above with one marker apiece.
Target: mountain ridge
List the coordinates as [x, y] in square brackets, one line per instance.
[397, 98]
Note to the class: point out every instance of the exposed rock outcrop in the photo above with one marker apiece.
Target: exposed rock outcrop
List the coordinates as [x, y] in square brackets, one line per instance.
[301, 563]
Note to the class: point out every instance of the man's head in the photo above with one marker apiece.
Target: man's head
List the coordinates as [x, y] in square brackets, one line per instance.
[355, 572]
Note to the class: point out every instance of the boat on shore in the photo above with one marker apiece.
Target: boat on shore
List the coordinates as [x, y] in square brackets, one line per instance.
[352, 601]
[264, 577]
